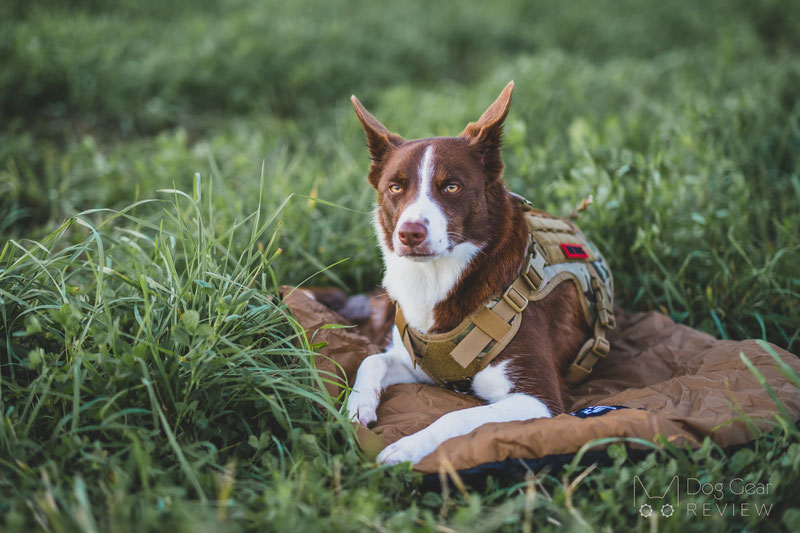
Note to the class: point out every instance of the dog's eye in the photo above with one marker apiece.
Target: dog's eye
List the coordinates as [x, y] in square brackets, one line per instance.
[452, 187]
[395, 188]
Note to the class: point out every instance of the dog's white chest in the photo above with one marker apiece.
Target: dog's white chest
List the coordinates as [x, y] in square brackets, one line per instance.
[419, 285]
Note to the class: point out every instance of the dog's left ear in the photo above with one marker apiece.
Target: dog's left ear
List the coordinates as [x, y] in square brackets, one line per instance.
[486, 135]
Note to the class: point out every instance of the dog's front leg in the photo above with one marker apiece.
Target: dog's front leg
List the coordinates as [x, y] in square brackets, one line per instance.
[511, 408]
[378, 372]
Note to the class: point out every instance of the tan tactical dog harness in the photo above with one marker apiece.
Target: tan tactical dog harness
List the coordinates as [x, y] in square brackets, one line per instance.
[558, 252]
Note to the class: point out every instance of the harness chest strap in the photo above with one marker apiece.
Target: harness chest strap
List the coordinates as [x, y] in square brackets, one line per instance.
[492, 324]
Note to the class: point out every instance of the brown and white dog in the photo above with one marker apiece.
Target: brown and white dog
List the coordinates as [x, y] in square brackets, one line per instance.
[452, 239]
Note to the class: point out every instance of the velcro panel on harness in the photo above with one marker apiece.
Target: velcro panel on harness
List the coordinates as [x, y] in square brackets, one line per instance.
[551, 233]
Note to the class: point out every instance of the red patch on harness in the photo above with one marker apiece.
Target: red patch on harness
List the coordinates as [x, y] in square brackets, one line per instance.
[574, 251]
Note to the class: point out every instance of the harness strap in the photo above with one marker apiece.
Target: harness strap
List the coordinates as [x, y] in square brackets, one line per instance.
[402, 327]
[598, 346]
[605, 311]
[492, 324]
[496, 323]
[592, 351]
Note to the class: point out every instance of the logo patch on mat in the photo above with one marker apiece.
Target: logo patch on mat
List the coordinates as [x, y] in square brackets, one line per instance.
[574, 251]
[597, 410]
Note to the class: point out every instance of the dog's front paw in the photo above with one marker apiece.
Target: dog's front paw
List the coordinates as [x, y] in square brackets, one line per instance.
[412, 448]
[361, 406]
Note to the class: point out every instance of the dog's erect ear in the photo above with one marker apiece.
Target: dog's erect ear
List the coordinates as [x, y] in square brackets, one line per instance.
[486, 135]
[379, 139]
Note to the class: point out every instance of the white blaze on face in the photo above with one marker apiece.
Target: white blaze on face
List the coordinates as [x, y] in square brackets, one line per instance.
[418, 284]
[424, 210]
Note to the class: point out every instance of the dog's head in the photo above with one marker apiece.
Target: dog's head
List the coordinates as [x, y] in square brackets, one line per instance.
[434, 194]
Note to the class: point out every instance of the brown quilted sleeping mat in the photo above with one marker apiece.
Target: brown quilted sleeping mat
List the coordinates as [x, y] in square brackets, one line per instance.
[677, 382]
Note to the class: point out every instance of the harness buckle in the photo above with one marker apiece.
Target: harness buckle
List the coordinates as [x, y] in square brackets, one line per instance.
[601, 347]
[607, 318]
[534, 276]
[515, 299]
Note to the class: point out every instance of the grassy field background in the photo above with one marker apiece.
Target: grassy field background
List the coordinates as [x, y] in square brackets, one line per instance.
[166, 166]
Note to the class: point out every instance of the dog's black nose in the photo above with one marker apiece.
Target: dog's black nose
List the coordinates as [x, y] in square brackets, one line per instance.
[412, 233]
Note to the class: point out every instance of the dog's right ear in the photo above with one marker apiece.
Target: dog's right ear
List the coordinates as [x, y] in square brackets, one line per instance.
[380, 141]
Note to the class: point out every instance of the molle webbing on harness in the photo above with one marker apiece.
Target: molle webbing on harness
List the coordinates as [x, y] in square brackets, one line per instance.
[558, 252]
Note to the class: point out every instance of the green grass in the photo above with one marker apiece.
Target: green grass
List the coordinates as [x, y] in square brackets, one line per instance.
[152, 380]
